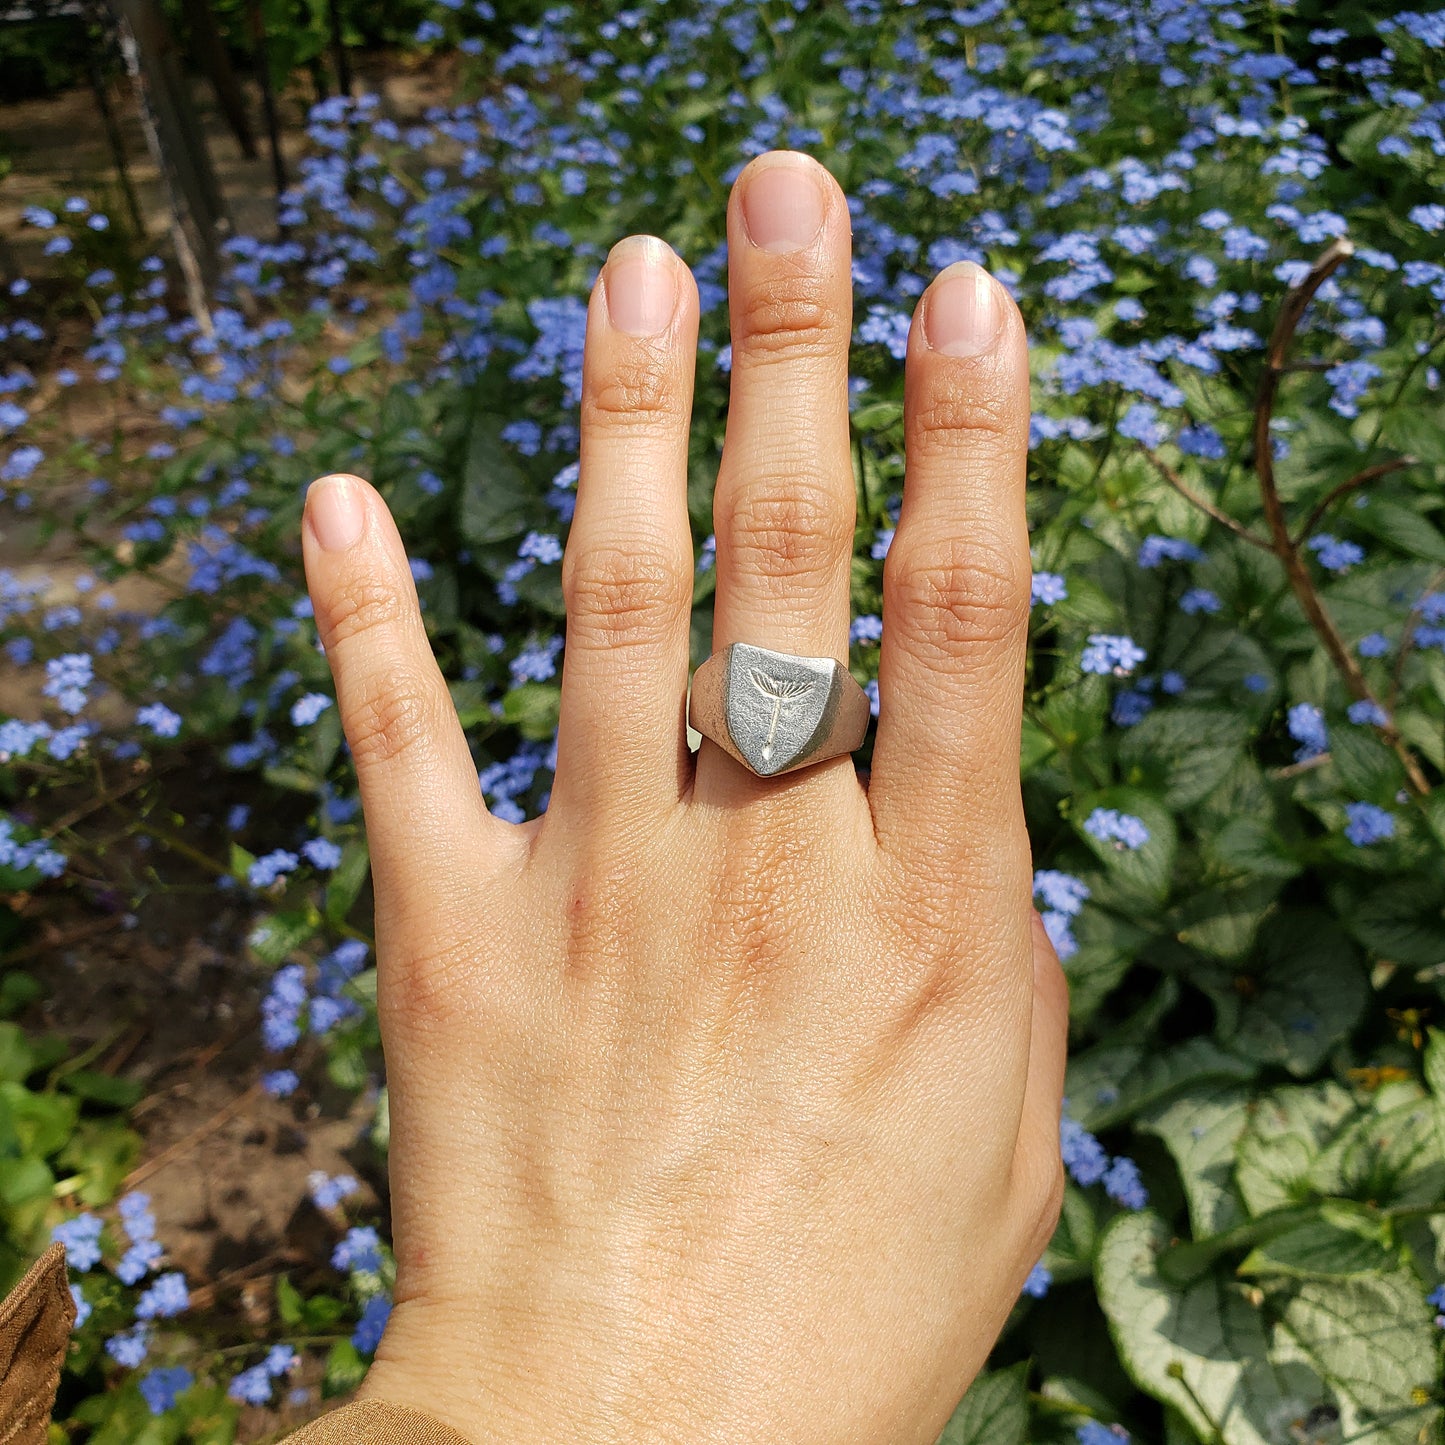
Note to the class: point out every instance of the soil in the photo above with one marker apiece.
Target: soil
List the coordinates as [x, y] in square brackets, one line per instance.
[155, 970]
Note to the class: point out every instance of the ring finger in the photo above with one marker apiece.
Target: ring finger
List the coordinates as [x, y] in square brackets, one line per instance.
[783, 510]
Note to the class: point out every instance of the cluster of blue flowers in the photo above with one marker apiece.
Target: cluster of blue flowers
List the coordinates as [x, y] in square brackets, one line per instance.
[319, 994]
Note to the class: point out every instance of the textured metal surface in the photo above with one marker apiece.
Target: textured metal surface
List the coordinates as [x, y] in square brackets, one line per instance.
[773, 711]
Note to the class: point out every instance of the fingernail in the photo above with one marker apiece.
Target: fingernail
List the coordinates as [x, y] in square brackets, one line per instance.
[964, 311]
[641, 285]
[783, 204]
[337, 512]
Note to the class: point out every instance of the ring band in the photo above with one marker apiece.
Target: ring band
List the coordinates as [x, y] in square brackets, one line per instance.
[774, 712]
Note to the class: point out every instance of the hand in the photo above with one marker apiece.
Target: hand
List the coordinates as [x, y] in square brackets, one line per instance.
[723, 1108]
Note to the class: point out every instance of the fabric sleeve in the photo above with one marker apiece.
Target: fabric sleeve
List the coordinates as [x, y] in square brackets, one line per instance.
[35, 1321]
[373, 1422]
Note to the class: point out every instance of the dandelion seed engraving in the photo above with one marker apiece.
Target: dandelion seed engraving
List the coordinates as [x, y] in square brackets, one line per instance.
[780, 690]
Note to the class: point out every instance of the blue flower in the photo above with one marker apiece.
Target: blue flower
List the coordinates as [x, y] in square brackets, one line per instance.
[82, 1306]
[1334, 555]
[1199, 599]
[81, 1238]
[1368, 824]
[280, 1083]
[161, 1388]
[130, 1346]
[1306, 725]
[328, 1192]
[1060, 891]
[1047, 588]
[867, 628]
[1373, 644]
[541, 547]
[1058, 927]
[1107, 654]
[1038, 1282]
[321, 853]
[137, 1261]
[359, 1251]
[167, 1296]
[1130, 708]
[251, 1387]
[1122, 1184]
[1367, 712]
[1091, 1432]
[265, 870]
[882, 543]
[1156, 549]
[1084, 1157]
[1124, 830]
[374, 1315]
[305, 710]
[159, 719]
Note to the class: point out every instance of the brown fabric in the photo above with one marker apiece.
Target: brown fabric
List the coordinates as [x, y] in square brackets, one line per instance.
[371, 1422]
[35, 1321]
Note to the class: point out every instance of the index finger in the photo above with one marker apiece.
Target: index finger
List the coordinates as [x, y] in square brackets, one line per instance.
[945, 783]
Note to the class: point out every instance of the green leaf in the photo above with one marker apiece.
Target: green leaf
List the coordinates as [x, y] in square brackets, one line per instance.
[1224, 921]
[98, 1088]
[1400, 920]
[1146, 872]
[17, 1058]
[344, 1368]
[1250, 846]
[1368, 771]
[495, 492]
[1372, 1338]
[24, 1179]
[876, 416]
[18, 990]
[1305, 990]
[1185, 751]
[275, 938]
[1389, 1155]
[346, 880]
[534, 708]
[289, 1304]
[1403, 527]
[100, 1154]
[1287, 1131]
[1343, 1239]
[995, 1411]
[1201, 1129]
[1202, 1349]
[1112, 1082]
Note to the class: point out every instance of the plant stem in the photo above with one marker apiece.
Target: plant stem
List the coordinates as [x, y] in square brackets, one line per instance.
[1296, 303]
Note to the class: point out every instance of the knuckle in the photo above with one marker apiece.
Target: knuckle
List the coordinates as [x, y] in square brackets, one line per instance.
[956, 412]
[393, 713]
[361, 604]
[637, 388]
[615, 596]
[788, 315]
[963, 594]
[789, 531]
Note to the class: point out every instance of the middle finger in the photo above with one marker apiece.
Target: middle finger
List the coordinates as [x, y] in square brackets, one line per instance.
[783, 510]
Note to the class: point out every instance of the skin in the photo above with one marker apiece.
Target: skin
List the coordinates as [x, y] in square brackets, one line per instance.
[723, 1108]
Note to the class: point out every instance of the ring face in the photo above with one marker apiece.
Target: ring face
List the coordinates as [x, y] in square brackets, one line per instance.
[773, 711]
[774, 704]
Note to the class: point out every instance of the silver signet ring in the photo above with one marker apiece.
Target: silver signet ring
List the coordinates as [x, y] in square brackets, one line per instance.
[775, 712]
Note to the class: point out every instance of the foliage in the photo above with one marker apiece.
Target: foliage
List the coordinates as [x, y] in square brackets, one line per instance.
[1226, 247]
